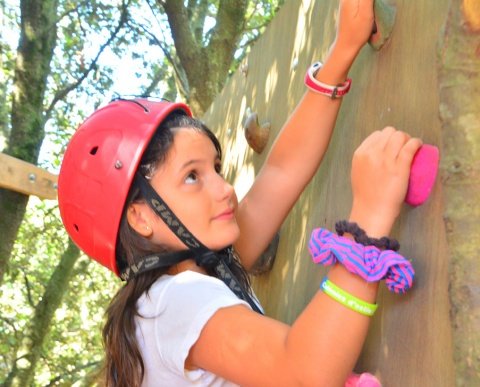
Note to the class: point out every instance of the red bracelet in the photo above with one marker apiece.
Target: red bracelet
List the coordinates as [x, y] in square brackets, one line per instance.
[322, 88]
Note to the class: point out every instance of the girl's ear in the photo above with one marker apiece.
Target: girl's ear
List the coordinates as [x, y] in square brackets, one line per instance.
[138, 219]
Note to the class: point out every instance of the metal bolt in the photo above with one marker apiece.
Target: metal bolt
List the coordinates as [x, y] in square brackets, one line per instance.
[118, 164]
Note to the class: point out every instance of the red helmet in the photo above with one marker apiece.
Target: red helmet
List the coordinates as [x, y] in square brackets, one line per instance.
[98, 168]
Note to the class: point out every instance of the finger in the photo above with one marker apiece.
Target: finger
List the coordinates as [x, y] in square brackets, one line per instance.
[375, 142]
[379, 137]
[384, 137]
[395, 143]
[409, 150]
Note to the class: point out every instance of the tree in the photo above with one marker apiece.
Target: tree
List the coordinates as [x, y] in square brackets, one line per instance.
[39, 88]
[459, 110]
[58, 62]
[209, 39]
[206, 61]
[32, 68]
[51, 323]
[30, 110]
[22, 372]
[214, 55]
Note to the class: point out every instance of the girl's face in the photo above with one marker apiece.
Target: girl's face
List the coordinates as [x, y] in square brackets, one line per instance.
[191, 184]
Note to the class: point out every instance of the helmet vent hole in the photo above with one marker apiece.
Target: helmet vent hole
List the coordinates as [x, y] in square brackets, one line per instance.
[94, 150]
[77, 229]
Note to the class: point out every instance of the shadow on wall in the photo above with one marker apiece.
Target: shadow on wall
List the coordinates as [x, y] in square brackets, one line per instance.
[410, 337]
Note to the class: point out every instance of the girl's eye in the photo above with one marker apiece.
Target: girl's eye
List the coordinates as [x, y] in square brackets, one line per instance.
[191, 178]
[218, 169]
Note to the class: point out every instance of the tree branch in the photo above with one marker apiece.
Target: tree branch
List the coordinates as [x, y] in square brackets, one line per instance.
[197, 16]
[250, 41]
[60, 94]
[230, 23]
[69, 11]
[152, 9]
[182, 81]
[157, 77]
[29, 291]
[69, 372]
[187, 50]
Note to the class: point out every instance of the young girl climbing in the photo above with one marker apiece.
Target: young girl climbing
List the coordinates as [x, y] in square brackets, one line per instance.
[141, 192]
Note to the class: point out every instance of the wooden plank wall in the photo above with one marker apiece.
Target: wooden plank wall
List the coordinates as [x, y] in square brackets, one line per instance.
[410, 339]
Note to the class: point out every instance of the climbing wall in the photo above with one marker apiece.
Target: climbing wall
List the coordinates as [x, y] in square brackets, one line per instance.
[410, 342]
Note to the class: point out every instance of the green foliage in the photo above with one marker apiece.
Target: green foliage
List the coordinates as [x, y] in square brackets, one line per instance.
[100, 44]
[74, 346]
[151, 25]
[259, 15]
[8, 22]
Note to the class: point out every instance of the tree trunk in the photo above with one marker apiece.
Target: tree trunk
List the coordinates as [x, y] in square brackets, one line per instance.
[3, 94]
[24, 370]
[35, 51]
[460, 111]
[207, 66]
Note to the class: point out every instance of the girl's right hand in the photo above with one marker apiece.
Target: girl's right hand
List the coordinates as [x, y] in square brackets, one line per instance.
[380, 173]
[355, 24]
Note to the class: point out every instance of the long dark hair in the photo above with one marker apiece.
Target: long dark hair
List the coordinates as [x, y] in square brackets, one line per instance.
[124, 364]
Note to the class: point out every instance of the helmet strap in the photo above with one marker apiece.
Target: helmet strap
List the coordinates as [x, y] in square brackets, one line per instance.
[154, 261]
[218, 261]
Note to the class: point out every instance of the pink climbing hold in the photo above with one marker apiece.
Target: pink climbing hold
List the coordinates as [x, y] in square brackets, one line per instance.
[423, 173]
[362, 380]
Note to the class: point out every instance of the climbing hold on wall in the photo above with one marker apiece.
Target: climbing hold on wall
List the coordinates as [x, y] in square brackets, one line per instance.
[422, 174]
[256, 134]
[265, 262]
[384, 21]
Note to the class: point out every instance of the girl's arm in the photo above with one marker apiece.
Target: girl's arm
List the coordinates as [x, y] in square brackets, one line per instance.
[323, 344]
[302, 142]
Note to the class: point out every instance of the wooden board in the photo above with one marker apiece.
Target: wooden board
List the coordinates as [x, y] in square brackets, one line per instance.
[410, 340]
[18, 175]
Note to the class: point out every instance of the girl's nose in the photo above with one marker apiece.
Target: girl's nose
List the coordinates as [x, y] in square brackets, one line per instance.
[221, 188]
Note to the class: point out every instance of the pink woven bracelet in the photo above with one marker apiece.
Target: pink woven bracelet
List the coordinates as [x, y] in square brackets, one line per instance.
[369, 262]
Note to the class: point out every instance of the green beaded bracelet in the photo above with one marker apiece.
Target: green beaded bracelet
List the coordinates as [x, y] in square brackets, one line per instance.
[346, 299]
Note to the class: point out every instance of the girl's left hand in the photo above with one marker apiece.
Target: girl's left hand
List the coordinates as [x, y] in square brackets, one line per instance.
[380, 174]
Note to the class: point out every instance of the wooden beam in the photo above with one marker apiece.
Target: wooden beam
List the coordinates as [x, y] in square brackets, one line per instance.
[18, 175]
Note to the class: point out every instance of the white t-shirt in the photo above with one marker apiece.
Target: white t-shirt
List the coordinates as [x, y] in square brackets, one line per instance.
[174, 314]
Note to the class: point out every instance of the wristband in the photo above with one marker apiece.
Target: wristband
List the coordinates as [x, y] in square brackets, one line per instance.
[346, 299]
[322, 88]
[360, 236]
[368, 262]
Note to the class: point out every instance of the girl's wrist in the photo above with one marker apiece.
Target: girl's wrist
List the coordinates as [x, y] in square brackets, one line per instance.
[353, 284]
[336, 65]
[347, 52]
[376, 224]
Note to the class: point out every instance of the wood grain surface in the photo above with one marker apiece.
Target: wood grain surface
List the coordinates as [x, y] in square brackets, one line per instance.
[410, 341]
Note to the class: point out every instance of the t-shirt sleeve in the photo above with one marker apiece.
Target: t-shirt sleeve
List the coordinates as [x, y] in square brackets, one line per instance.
[186, 305]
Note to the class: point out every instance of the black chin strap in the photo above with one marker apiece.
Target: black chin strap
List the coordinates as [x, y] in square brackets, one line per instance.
[218, 261]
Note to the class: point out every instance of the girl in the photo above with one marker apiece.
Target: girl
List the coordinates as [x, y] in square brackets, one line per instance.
[140, 191]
